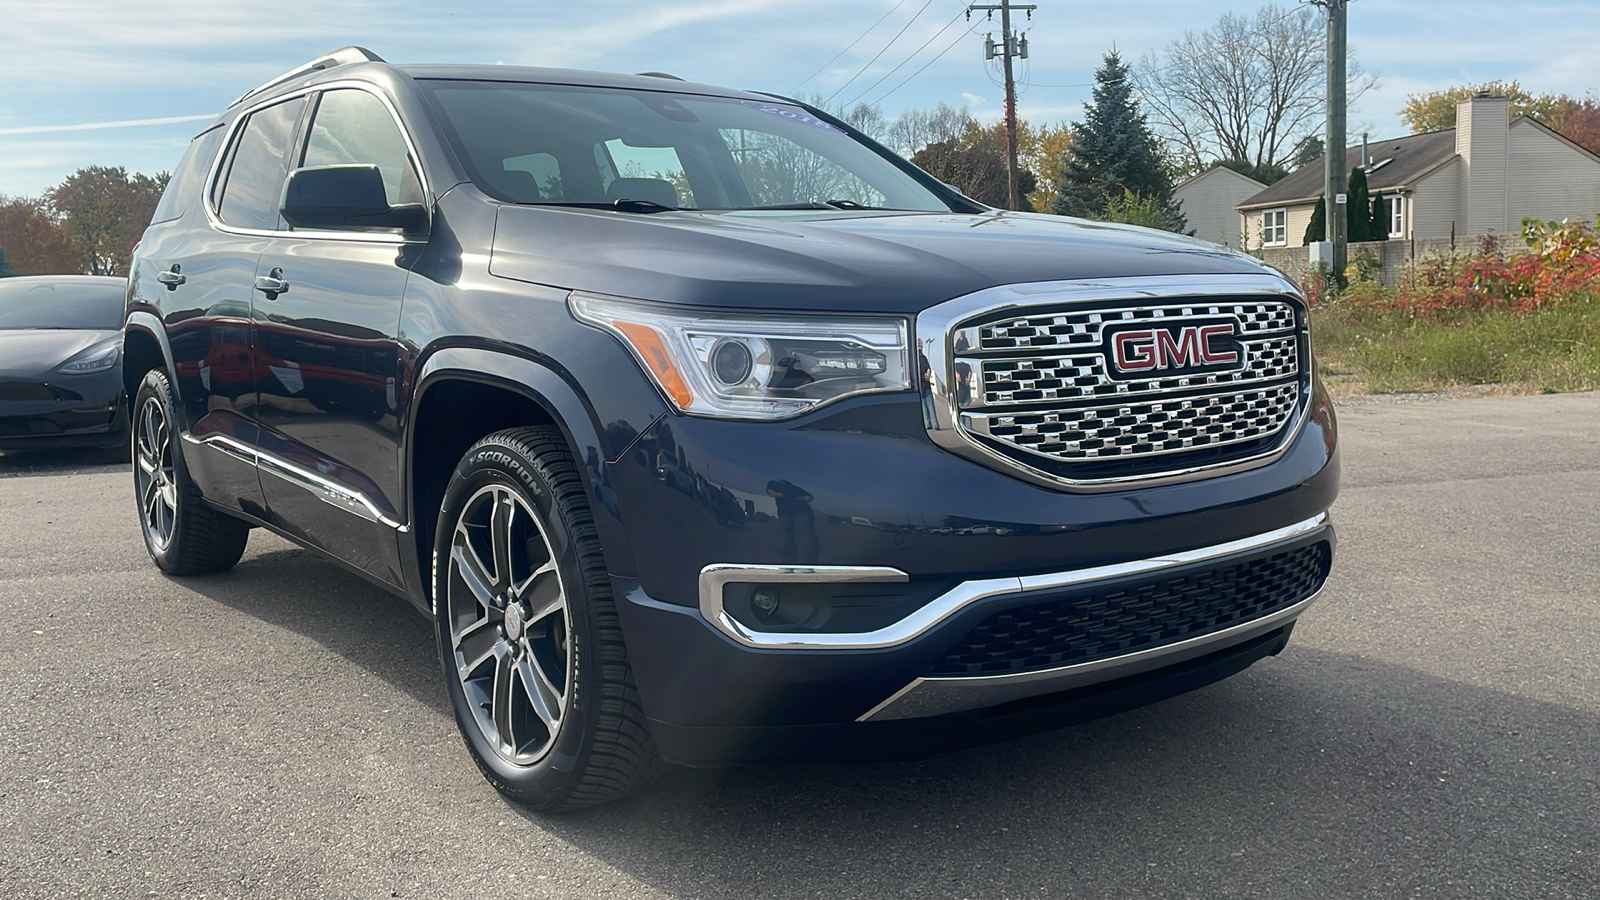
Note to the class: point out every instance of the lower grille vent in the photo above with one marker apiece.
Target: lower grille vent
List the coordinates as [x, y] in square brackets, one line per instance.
[1137, 617]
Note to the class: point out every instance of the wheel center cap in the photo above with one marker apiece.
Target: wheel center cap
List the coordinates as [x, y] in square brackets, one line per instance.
[514, 622]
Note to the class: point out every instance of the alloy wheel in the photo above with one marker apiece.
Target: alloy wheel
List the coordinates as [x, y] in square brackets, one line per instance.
[510, 625]
[155, 475]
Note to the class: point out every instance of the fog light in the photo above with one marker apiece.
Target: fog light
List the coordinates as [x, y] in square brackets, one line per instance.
[765, 600]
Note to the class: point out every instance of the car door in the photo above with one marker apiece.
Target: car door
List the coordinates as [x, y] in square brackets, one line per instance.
[202, 265]
[327, 312]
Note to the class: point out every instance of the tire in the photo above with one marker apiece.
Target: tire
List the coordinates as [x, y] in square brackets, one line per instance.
[183, 534]
[529, 640]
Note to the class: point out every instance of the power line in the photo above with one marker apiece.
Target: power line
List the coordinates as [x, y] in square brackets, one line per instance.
[959, 38]
[849, 48]
[880, 52]
[953, 20]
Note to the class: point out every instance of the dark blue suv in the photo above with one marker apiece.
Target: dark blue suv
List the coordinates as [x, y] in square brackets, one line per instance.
[707, 429]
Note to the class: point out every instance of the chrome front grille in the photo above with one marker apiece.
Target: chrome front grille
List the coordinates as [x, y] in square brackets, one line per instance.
[1148, 428]
[1014, 381]
[1081, 328]
[1063, 389]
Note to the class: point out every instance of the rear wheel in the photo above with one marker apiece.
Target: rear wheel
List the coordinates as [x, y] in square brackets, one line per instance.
[528, 633]
[183, 534]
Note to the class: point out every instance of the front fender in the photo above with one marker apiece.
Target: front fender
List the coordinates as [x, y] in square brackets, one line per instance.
[562, 402]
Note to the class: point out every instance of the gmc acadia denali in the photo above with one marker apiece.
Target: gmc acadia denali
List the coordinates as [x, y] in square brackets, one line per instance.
[708, 430]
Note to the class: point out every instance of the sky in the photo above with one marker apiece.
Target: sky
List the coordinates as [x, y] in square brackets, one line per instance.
[70, 67]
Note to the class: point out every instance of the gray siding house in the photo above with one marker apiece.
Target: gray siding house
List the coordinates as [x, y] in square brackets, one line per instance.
[1483, 177]
[1210, 203]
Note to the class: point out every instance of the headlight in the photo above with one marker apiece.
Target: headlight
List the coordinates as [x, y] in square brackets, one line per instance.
[754, 367]
[95, 359]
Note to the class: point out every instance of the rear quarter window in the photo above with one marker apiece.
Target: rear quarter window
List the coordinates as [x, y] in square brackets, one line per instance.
[191, 175]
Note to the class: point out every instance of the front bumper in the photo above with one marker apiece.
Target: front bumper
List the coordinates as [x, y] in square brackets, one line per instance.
[717, 690]
[92, 414]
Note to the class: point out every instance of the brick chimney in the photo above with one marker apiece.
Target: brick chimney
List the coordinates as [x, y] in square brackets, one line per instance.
[1483, 134]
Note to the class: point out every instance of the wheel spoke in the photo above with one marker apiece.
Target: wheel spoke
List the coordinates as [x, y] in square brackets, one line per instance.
[500, 706]
[471, 569]
[476, 644]
[146, 464]
[501, 517]
[554, 604]
[147, 431]
[538, 587]
[542, 694]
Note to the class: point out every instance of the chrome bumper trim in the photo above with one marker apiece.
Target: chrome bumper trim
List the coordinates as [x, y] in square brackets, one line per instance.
[939, 696]
[714, 577]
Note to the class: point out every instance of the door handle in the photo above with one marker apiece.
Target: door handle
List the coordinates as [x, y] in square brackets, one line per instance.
[172, 277]
[272, 284]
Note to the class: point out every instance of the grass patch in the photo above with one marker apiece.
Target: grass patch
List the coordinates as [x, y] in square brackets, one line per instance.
[1553, 349]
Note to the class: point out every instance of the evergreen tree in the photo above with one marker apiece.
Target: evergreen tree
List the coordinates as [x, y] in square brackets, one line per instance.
[1358, 210]
[5, 265]
[1378, 229]
[1317, 231]
[1113, 154]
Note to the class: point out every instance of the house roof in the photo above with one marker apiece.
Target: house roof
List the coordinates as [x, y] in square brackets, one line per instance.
[1408, 159]
[1214, 170]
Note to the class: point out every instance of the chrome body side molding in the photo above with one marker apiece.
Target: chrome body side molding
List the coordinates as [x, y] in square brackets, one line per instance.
[329, 492]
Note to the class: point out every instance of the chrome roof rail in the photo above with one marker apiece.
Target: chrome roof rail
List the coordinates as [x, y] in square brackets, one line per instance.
[341, 57]
[659, 75]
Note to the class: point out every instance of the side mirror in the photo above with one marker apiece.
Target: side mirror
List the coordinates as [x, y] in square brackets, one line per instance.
[346, 198]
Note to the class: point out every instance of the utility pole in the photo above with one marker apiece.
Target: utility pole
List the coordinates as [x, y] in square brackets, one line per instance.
[1336, 185]
[1010, 47]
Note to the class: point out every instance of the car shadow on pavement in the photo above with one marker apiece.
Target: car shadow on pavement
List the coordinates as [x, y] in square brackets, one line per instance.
[297, 590]
[1315, 774]
[62, 462]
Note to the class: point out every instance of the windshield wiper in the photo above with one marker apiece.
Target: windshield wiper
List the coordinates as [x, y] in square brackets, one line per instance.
[818, 204]
[624, 205]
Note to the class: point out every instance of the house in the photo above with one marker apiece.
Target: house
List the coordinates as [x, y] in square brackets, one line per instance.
[1482, 177]
[1210, 202]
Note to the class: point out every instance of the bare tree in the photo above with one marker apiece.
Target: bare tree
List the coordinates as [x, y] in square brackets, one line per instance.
[916, 129]
[1249, 89]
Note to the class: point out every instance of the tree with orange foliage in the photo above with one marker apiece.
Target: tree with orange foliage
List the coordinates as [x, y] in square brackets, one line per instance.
[1578, 121]
[34, 243]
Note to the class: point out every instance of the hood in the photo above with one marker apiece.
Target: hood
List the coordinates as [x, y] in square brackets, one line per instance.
[35, 353]
[899, 263]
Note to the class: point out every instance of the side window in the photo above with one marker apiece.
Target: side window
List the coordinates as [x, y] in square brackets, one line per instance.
[249, 196]
[191, 174]
[354, 127]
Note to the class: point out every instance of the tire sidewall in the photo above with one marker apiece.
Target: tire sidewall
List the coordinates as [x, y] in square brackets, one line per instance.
[498, 463]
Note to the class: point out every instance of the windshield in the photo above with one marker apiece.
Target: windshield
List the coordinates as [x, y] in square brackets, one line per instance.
[558, 144]
[32, 304]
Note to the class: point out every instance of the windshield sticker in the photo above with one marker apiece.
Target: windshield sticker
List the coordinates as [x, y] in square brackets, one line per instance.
[792, 114]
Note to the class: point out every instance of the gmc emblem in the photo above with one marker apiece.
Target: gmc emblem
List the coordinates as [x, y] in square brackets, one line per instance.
[1147, 350]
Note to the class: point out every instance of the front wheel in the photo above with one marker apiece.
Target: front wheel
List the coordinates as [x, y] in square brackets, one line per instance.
[183, 534]
[529, 640]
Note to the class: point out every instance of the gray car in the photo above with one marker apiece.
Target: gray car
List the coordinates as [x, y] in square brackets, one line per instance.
[61, 362]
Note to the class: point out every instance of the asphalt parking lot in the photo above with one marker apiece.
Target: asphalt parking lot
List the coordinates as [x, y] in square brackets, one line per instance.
[281, 730]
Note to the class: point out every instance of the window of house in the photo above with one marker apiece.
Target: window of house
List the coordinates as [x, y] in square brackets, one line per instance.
[1394, 208]
[1275, 228]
